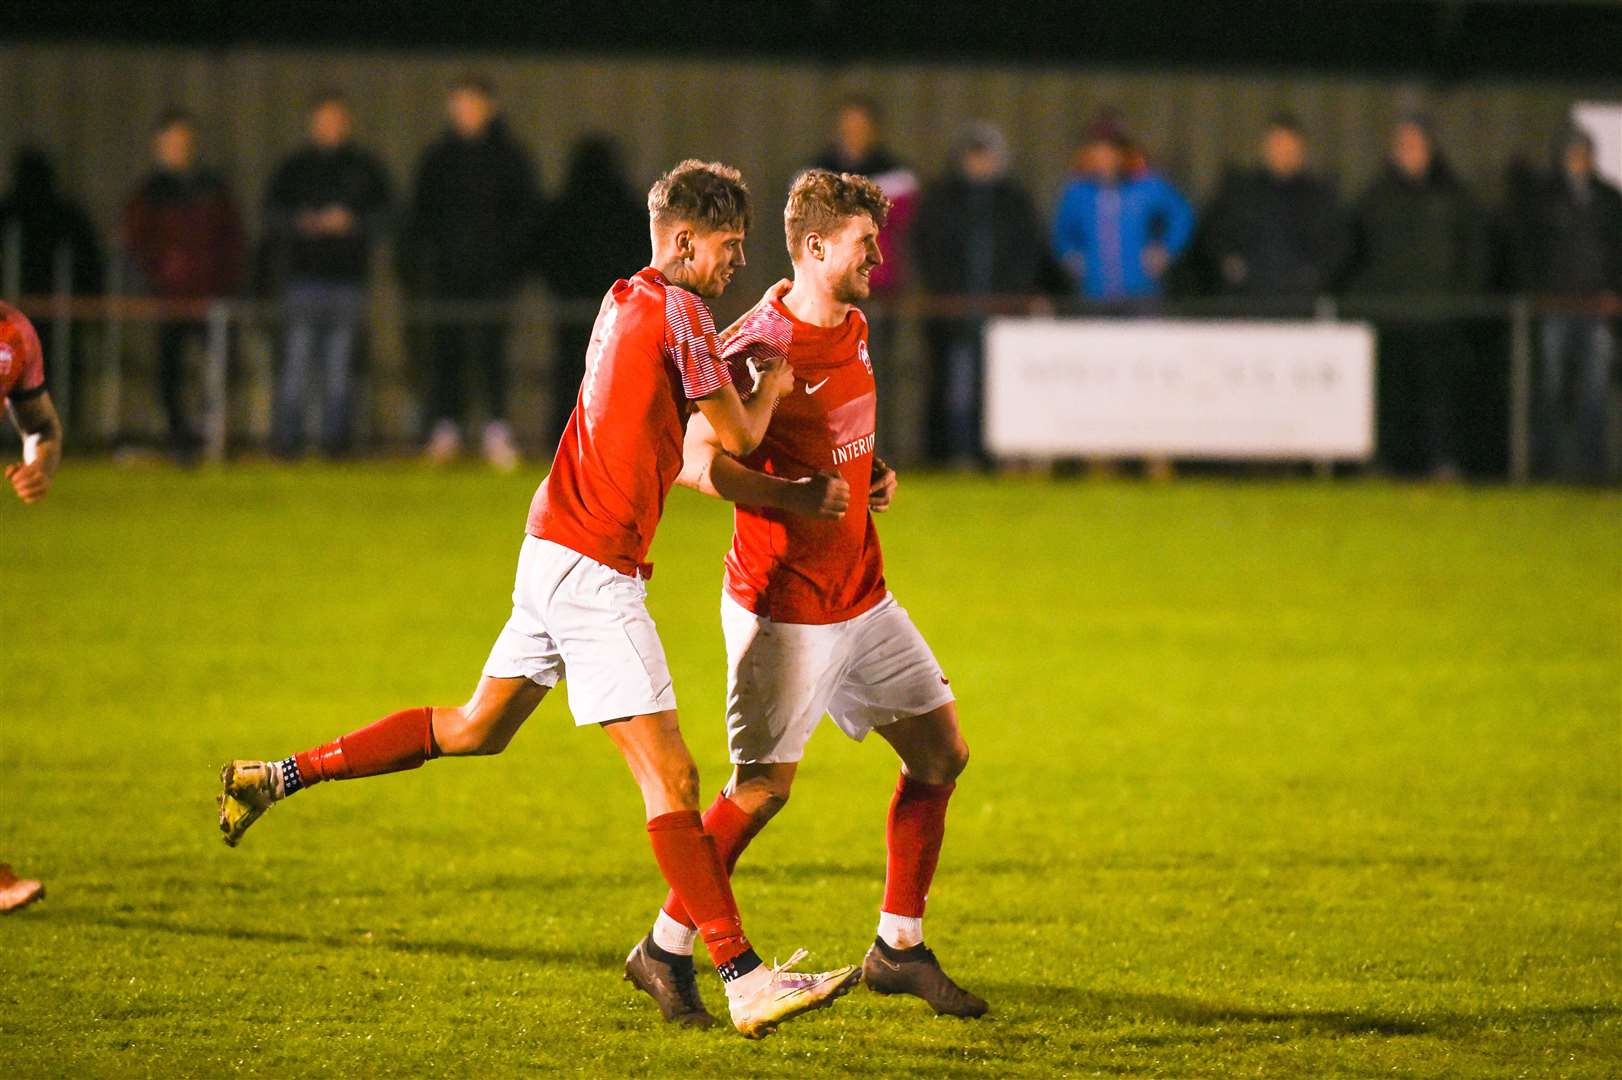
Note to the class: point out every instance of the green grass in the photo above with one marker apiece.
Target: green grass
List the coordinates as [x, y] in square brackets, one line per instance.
[1279, 780]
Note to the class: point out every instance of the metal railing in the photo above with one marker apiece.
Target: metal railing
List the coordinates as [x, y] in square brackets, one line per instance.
[224, 319]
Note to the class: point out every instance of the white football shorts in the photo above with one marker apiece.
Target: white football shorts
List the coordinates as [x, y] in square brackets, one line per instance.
[577, 620]
[782, 677]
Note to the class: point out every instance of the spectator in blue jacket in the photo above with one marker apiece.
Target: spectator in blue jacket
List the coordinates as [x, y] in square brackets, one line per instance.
[1119, 226]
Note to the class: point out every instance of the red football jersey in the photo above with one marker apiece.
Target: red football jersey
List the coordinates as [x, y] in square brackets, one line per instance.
[787, 567]
[653, 352]
[22, 363]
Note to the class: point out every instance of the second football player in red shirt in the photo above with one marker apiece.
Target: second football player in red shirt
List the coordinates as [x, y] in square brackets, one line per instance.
[810, 627]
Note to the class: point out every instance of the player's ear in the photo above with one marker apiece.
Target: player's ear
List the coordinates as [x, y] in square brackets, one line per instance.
[814, 244]
[684, 242]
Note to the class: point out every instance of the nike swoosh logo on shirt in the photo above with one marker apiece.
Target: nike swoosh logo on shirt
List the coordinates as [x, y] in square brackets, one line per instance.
[810, 389]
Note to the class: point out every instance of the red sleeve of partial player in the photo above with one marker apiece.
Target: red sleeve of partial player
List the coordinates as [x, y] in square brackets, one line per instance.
[22, 361]
[764, 335]
[691, 344]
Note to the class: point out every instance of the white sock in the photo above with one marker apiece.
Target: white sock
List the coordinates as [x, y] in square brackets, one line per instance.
[672, 936]
[747, 985]
[899, 931]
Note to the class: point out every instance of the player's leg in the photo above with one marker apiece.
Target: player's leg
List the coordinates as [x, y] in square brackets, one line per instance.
[759, 998]
[750, 799]
[777, 680]
[524, 663]
[398, 742]
[933, 754]
[895, 686]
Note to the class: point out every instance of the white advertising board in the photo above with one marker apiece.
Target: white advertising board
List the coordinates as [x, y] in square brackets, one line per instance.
[1602, 120]
[1176, 388]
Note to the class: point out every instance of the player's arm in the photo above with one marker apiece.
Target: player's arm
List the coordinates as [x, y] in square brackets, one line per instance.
[41, 430]
[740, 425]
[710, 470]
[881, 491]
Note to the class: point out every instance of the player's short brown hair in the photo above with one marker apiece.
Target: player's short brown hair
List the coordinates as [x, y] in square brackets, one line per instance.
[819, 199]
[707, 194]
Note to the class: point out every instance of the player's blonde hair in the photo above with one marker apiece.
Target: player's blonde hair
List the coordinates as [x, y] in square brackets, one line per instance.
[707, 194]
[819, 199]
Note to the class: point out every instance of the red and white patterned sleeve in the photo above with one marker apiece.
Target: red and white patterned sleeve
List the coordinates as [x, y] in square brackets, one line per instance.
[691, 343]
[764, 335]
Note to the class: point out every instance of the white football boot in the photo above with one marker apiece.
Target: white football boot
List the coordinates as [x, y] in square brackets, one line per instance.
[785, 994]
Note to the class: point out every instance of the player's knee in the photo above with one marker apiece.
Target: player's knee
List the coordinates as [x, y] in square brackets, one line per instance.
[944, 763]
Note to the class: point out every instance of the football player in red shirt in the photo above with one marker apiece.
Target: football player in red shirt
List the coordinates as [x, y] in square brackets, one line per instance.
[579, 600]
[22, 388]
[809, 625]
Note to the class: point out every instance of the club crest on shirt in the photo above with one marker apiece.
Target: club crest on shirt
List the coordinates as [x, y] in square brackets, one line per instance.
[862, 354]
[5, 360]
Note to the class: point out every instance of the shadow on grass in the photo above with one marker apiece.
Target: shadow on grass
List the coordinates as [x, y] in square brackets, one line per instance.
[595, 959]
[1107, 1007]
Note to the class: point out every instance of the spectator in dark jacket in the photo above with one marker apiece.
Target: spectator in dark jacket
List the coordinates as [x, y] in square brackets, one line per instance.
[856, 148]
[1573, 251]
[1418, 235]
[45, 233]
[182, 231]
[977, 234]
[595, 233]
[1276, 231]
[469, 237]
[43, 222]
[324, 210]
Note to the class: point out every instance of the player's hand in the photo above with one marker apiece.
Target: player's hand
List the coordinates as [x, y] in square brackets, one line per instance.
[825, 495]
[28, 481]
[776, 379]
[882, 490]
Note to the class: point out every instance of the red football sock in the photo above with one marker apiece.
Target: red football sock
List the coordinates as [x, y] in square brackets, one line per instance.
[913, 836]
[731, 829]
[687, 858]
[400, 741]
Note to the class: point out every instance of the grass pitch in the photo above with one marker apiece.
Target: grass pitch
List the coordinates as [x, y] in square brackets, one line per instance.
[1287, 780]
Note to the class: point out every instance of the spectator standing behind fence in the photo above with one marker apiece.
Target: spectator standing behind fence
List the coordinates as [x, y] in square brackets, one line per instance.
[1118, 229]
[1419, 236]
[40, 227]
[977, 235]
[594, 233]
[1572, 251]
[1276, 231]
[470, 234]
[857, 148]
[325, 208]
[182, 232]
[47, 243]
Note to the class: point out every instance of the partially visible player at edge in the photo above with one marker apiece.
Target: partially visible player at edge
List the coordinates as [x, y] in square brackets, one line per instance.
[809, 625]
[580, 591]
[22, 388]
